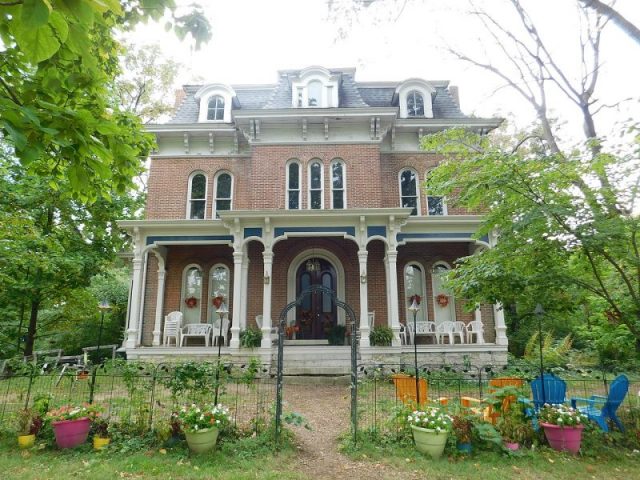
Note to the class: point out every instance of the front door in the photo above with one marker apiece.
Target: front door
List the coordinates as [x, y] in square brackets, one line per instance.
[316, 316]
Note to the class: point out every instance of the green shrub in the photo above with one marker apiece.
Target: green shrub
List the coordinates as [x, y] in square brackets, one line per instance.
[381, 336]
[251, 337]
[337, 334]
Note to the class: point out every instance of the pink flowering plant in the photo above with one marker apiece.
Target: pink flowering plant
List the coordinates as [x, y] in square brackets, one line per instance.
[562, 416]
[74, 412]
[432, 418]
[200, 418]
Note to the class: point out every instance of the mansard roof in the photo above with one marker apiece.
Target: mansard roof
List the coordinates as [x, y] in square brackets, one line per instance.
[352, 94]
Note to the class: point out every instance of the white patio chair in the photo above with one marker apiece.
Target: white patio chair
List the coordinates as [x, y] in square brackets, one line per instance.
[172, 328]
[445, 329]
[459, 330]
[225, 331]
[196, 330]
[475, 328]
[425, 329]
[404, 332]
[371, 317]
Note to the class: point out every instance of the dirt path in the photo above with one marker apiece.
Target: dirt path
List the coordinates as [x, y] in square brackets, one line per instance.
[326, 409]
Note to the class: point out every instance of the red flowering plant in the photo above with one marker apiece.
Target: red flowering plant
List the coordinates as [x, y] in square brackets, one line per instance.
[74, 412]
[290, 330]
[200, 418]
[191, 302]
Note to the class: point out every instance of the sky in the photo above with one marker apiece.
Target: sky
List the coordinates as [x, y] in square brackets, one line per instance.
[395, 40]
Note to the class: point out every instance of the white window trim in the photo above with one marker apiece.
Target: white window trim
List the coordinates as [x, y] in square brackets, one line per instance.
[214, 207]
[424, 304]
[287, 189]
[422, 87]
[206, 194]
[445, 211]
[344, 181]
[183, 289]
[418, 200]
[311, 163]
[211, 310]
[330, 84]
[205, 93]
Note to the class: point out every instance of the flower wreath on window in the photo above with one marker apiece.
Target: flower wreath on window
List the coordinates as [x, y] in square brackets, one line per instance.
[217, 301]
[415, 297]
[443, 300]
[191, 302]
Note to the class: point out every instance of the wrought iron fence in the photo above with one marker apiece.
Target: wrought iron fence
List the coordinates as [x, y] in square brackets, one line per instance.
[146, 394]
[380, 400]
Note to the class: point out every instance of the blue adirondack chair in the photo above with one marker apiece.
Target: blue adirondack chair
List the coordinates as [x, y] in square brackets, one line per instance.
[600, 408]
[554, 392]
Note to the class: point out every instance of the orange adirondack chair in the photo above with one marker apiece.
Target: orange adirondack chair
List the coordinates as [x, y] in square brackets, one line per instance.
[406, 388]
[489, 414]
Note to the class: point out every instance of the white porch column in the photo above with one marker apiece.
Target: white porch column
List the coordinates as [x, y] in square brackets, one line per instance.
[267, 255]
[364, 299]
[238, 257]
[134, 311]
[245, 290]
[501, 326]
[392, 294]
[160, 254]
[478, 318]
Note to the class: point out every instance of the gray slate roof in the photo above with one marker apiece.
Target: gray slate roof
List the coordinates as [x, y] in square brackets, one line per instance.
[352, 95]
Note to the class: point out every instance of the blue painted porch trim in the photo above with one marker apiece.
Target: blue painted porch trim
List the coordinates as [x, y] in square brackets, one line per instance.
[404, 236]
[279, 231]
[252, 232]
[187, 238]
[380, 231]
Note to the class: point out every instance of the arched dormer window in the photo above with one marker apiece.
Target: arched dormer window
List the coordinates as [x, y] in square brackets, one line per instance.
[197, 196]
[215, 109]
[415, 104]
[409, 191]
[414, 96]
[338, 185]
[293, 185]
[215, 103]
[435, 204]
[315, 87]
[316, 182]
[223, 194]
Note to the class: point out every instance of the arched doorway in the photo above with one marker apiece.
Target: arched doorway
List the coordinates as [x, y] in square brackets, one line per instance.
[442, 313]
[316, 314]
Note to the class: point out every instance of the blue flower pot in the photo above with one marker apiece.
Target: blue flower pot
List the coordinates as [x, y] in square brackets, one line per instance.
[464, 447]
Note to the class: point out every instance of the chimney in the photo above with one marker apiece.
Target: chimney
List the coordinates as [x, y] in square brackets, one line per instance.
[180, 95]
[453, 91]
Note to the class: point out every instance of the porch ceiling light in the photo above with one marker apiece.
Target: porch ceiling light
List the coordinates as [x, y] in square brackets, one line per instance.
[313, 265]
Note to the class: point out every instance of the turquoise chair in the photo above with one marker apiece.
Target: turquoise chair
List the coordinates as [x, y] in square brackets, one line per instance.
[548, 388]
[599, 408]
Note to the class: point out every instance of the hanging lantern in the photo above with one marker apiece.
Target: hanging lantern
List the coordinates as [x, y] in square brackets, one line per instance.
[313, 265]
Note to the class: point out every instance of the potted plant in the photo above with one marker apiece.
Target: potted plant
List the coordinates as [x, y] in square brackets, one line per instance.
[462, 429]
[430, 429]
[71, 424]
[563, 427]
[202, 424]
[514, 427]
[381, 336]
[29, 423]
[100, 433]
[250, 338]
[337, 335]
[169, 433]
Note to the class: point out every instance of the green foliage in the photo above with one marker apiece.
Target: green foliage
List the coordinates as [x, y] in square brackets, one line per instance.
[194, 380]
[381, 336]
[250, 338]
[554, 353]
[337, 334]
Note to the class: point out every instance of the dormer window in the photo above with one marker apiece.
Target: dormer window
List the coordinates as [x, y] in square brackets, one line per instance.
[315, 87]
[415, 104]
[215, 110]
[314, 94]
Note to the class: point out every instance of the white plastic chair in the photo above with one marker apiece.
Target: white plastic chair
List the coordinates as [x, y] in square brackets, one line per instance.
[172, 327]
[404, 332]
[195, 330]
[225, 331]
[475, 328]
[459, 330]
[371, 317]
[426, 329]
[445, 329]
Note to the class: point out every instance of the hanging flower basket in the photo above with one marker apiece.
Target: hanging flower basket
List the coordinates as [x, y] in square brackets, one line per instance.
[191, 302]
[415, 297]
[443, 300]
[217, 301]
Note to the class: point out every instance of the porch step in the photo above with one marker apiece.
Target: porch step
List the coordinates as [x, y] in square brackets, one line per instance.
[306, 343]
[325, 360]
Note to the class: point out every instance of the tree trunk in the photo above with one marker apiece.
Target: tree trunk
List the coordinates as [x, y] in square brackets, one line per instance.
[33, 323]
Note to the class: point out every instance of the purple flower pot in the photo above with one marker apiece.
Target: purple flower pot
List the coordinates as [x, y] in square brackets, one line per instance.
[71, 433]
[563, 439]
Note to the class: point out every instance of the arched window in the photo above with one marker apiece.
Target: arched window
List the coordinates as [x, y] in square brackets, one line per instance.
[409, 191]
[415, 104]
[293, 185]
[197, 203]
[215, 108]
[414, 284]
[314, 94]
[191, 294]
[338, 184]
[223, 194]
[315, 185]
[443, 311]
[219, 280]
[435, 204]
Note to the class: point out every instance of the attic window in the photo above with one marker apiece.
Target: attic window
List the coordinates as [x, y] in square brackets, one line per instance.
[415, 104]
[315, 87]
[314, 94]
[215, 108]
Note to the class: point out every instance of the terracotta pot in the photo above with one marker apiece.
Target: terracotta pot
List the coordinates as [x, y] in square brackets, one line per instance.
[563, 439]
[26, 441]
[99, 442]
[201, 442]
[429, 442]
[71, 433]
